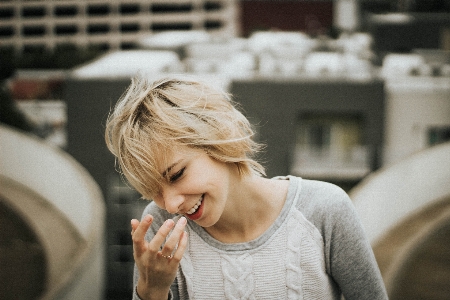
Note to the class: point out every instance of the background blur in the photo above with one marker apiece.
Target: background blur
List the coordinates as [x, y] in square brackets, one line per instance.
[354, 92]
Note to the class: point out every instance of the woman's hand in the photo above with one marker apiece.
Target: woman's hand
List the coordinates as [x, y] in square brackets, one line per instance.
[157, 260]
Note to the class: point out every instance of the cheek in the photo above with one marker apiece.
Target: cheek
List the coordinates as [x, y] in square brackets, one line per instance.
[195, 185]
[210, 183]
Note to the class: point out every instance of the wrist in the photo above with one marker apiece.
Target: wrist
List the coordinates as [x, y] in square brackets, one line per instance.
[145, 293]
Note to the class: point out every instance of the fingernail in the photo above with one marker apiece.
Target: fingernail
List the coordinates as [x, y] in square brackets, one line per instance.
[169, 223]
[182, 221]
[147, 218]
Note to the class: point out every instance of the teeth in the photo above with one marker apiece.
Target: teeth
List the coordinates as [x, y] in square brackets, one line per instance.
[194, 209]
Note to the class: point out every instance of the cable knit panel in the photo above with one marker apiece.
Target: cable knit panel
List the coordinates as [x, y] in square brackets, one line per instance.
[287, 263]
[307, 273]
[294, 276]
[202, 270]
[290, 265]
[238, 276]
[289, 260]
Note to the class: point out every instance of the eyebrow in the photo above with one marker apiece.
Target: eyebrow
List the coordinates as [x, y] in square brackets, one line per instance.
[164, 174]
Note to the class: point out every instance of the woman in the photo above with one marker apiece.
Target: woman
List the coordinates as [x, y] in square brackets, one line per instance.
[217, 228]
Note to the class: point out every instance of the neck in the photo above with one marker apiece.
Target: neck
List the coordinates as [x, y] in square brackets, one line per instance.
[252, 207]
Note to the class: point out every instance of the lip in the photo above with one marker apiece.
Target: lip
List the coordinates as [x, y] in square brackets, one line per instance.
[197, 215]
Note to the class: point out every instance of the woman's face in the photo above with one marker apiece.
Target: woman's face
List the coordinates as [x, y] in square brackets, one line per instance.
[197, 186]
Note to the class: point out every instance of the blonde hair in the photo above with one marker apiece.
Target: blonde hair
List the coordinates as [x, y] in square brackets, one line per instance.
[152, 119]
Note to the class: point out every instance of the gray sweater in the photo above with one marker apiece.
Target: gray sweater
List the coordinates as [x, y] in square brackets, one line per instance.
[316, 249]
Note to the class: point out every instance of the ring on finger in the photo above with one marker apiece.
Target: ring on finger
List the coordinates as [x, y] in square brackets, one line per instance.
[166, 256]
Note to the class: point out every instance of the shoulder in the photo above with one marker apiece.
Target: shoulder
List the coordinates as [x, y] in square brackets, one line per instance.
[319, 195]
[325, 205]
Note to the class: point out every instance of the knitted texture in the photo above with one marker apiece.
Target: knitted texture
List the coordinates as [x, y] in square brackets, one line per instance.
[290, 265]
[315, 249]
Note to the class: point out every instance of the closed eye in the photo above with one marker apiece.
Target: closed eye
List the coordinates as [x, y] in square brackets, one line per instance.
[177, 175]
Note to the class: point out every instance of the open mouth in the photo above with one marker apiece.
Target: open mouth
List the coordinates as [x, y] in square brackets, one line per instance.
[195, 212]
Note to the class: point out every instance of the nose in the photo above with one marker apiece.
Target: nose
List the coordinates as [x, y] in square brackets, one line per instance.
[172, 200]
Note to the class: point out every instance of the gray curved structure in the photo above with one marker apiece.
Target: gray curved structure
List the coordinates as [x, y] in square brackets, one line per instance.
[55, 213]
[405, 210]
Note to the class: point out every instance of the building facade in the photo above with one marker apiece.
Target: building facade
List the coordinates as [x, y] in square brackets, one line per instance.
[107, 24]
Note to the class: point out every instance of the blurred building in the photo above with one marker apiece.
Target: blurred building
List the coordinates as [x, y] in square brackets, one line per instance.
[328, 95]
[108, 24]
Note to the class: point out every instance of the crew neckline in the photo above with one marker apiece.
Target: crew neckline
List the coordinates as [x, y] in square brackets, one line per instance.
[293, 190]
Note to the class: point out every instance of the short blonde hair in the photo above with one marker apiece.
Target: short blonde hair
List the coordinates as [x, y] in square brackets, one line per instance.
[151, 119]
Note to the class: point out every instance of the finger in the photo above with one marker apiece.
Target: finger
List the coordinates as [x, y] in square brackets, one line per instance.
[178, 255]
[174, 237]
[161, 235]
[134, 225]
[139, 233]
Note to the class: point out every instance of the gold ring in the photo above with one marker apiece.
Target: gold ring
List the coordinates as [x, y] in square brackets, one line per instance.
[168, 256]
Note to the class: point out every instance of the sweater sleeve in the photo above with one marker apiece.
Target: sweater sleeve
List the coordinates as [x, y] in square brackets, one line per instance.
[348, 254]
[159, 217]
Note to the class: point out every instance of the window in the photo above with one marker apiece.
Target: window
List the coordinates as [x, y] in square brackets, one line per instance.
[33, 30]
[128, 46]
[65, 11]
[6, 31]
[33, 12]
[212, 6]
[438, 135]
[131, 27]
[171, 8]
[129, 9]
[98, 28]
[65, 30]
[213, 24]
[324, 131]
[98, 10]
[330, 146]
[170, 26]
[6, 12]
